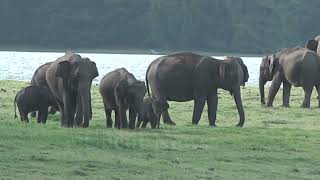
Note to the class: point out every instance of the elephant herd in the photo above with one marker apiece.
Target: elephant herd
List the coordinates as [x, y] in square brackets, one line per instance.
[65, 84]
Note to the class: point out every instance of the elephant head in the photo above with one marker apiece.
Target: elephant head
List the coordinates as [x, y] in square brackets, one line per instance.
[129, 94]
[268, 67]
[231, 77]
[77, 74]
[243, 67]
[312, 45]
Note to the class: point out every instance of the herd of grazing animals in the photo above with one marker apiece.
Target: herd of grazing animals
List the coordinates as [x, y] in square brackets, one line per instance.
[64, 85]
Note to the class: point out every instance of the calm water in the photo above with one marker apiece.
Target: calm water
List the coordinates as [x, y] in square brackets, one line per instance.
[21, 65]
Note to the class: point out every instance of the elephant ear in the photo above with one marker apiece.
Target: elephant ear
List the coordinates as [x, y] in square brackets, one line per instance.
[121, 91]
[312, 45]
[95, 70]
[271, 63]
[63, 69]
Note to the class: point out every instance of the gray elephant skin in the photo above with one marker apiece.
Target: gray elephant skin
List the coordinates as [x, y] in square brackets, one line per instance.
[151, 108]
[39, 79]
[33, 98]
[297, 66]
[69, 79]
[121, 91]
[187, 76]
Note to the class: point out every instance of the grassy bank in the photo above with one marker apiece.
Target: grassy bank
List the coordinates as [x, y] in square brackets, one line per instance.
[275, 143]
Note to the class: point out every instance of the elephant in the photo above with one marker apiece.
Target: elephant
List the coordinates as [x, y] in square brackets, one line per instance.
[121, 91]
[243, 67]
[39, 79]
[188, 76]
[69, 79]
[33, 98]
[297, 66]
[150, 109]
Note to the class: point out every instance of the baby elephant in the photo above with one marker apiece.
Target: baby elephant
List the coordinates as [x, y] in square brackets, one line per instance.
[33, 98]
[152, 108]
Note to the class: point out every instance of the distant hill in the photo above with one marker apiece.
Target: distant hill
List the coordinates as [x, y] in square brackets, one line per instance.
[244, 26]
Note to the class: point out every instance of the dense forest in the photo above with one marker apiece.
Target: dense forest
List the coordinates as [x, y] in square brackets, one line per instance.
[242, 26]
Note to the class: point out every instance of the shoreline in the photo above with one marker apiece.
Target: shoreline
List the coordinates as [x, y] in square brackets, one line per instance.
[150, 51]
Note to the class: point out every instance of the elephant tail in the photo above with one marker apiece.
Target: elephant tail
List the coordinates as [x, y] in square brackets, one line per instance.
[147, 82]
[15, 107]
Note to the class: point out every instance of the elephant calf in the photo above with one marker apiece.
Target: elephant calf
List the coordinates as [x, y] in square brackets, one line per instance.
[151, 107]
[33, 98]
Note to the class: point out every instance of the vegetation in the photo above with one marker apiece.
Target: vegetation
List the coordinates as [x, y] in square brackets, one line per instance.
[207, 25]
[275, 143]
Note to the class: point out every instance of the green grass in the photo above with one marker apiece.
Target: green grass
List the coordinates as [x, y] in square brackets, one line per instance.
[275, 143]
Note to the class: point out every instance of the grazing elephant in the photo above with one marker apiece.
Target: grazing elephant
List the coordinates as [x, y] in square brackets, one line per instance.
[120, 91]
[69, 79]
[296, 66]
[39, 79]
[150, 110]
[33, 98]
[187, 76]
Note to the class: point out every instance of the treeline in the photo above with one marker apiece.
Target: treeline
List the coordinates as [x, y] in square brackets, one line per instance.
[244, 26]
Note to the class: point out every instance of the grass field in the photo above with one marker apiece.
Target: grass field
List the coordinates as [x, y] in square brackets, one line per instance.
[275, 143]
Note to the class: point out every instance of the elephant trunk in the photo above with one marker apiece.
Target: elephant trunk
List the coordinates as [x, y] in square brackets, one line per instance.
[86, 103]
[238, 101]
[262, 83]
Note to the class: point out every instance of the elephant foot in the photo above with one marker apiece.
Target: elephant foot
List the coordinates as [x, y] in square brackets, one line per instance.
[213, 126]
[305, 106]
[269, 105]
[240, 124]
[286, 105]
[170, 123]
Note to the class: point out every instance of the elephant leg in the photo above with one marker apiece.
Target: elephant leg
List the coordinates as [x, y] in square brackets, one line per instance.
[34, 114]
[167, 119]
[274, 88]
[62, 115]
[79, 113]
[132, 118]
[318, 91]
[286, 94]
[117, 117]
[108, 113]
[144, 124]
[212, 108]
[140, 119]
[52, 110]
[42, 116]
[197, 109]
[307, 96]
[23, 115]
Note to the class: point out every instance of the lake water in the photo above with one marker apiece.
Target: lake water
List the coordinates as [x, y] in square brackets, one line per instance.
[21, 65]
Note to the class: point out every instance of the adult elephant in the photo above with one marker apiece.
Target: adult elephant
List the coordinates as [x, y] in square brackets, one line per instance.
[296, 66]
[39, 79]
[120, 91]
[69, 79]
[187, 76]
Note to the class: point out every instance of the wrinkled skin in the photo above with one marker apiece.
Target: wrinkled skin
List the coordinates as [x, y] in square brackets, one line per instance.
[69, 79]
[121, 91]
[243, 67]
[187, 76]
[297, 67]
[33, 98]
[39, 79]
[150, 110]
